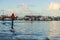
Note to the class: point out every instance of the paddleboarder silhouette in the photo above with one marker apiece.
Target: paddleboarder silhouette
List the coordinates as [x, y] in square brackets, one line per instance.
[12, 19]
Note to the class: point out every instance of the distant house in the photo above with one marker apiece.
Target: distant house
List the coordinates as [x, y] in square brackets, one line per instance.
[31, 18]
[38, 18]
[57, 18]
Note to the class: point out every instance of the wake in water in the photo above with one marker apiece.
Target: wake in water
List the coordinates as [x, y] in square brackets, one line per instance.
[7, 23]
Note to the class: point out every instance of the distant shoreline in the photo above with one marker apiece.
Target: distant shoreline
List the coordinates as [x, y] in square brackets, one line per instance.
[30, 20]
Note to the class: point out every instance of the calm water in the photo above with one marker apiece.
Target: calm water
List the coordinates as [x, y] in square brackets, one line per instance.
[36, 30]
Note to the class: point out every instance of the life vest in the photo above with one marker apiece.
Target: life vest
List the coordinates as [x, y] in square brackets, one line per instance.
[12, 16]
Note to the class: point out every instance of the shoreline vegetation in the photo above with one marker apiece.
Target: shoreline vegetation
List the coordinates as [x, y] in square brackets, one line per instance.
[30, 18]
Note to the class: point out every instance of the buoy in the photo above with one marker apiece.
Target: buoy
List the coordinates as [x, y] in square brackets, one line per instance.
[12, 30]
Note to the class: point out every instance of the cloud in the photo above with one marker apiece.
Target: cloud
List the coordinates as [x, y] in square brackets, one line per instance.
[53, 6]
[26, 10]
[25, 6]
[57, 1]
[53, 9]
[16, 10]
[22, 9]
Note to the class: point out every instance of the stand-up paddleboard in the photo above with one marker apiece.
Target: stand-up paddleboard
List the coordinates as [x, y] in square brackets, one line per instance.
[12, 30]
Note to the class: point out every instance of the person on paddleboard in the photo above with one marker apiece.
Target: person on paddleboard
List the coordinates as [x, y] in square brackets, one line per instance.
[12, 18]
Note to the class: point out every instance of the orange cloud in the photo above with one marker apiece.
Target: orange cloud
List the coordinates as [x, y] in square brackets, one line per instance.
[53, 6]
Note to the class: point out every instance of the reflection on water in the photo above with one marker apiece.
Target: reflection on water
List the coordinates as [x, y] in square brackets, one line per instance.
[35, 29]
[54, 29]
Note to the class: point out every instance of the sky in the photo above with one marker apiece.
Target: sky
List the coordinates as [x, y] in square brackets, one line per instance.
[30, 7]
